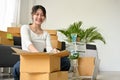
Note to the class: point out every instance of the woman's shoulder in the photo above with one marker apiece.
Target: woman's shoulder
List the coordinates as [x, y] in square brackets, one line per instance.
[25, 27]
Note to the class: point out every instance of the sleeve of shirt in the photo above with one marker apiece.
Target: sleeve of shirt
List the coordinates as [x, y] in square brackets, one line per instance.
[48, 43]
[25, 36]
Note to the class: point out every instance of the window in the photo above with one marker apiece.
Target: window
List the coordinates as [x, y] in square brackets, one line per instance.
[9, 13]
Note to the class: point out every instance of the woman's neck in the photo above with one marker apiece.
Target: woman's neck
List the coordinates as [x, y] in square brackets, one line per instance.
[36, 29]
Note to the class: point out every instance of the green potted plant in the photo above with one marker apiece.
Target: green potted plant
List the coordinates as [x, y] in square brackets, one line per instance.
[83, 35]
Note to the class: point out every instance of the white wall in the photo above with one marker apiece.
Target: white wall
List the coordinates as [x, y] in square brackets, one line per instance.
[25, 11]
[105, 14]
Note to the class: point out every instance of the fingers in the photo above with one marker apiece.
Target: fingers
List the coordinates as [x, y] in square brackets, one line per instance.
[55, 51]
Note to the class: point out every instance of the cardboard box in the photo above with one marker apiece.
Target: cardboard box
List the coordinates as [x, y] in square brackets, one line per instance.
[39, 62]
[4, 38]
[6, 35]
[54, 38]
[3, 34]
[52, 32]
[5, 41]
[86, 70]
[60, 75]
[86, 61]
[54, 43]
[15, 31]
[16, 34]
[86, 66]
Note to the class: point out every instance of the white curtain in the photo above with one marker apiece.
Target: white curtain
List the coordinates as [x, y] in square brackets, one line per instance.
[9, 13]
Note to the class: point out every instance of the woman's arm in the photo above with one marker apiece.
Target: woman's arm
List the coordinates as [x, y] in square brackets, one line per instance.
[32, 48]
[49, 46]
[48, 43]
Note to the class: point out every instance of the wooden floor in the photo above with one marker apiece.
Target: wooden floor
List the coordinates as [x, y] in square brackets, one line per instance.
[109, 75]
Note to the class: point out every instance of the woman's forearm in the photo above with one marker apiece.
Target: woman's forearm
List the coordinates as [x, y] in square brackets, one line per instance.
[32, 48]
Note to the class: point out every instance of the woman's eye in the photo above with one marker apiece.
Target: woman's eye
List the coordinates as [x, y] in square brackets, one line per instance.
[37, 14]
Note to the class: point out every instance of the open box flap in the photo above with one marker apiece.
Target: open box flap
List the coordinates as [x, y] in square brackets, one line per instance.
[23, 52]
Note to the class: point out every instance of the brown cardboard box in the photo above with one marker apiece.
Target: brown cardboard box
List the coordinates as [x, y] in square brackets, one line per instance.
[86, 70]
[54, 38]
[86, 61]
[54, 43]
[15, 31]
[5, 41]
[86, 66]
[16, 34]
[39, 62]
[52, 32]
[60, 75]
[3, 34]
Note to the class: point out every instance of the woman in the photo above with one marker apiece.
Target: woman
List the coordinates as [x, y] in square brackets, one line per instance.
[34, 39]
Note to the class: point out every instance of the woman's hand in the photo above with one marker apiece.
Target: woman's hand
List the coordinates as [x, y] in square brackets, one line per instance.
[55, 50]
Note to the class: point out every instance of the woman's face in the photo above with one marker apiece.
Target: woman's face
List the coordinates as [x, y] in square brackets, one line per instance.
[38, 17]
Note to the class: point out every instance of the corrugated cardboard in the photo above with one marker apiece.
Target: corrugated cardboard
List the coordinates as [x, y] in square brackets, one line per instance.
[16, 34]
[52, 32]
[5, 41]
[54, 38]
[60, 75]
[86, 70]
[54, 43]
[86, 61]
[4, 34]
[86, 66]
[15, 31]
[39, 62]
